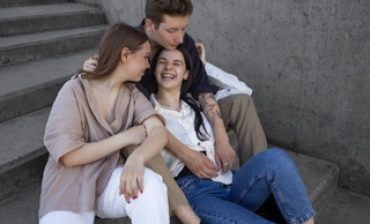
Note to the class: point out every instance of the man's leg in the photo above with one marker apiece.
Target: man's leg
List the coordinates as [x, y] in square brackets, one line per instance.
[239, 114]
[176, 197]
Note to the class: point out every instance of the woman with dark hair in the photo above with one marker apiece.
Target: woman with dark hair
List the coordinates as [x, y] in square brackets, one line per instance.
[229, 197]
[95, 116]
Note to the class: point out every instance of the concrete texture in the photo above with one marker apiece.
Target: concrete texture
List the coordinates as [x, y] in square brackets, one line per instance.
[345, 207]
[19, 95]
[308, 63]
[20, 20]
[23, 48]
[15, 3]
[320, 177]
[30, 130]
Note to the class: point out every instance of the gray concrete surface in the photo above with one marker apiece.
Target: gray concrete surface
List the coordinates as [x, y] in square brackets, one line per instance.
[21, 94]
[308, 63]
[15, 3]
[28, 19]
[345, 207]
[36, 46]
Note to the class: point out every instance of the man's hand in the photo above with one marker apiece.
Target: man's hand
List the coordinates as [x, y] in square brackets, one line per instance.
[200, 165]
[225, 156]
[90, 64]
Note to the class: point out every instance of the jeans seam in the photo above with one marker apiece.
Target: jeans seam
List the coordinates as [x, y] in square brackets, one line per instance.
[246, 191]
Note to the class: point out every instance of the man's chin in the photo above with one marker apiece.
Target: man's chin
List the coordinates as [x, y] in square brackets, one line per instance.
[171, 47]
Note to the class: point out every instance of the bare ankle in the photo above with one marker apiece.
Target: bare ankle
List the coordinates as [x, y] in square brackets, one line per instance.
[186, 215]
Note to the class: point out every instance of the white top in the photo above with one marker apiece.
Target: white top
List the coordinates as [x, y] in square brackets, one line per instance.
[181, 125]
[229, 83]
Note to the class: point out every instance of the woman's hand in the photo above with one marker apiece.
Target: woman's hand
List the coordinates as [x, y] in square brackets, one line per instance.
[131, 181]
[136, 134]
[201, 52]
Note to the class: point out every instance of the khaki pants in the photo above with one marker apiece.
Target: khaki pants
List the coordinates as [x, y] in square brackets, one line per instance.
[240, 115]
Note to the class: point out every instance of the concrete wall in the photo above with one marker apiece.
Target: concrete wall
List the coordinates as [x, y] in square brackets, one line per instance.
[308, 62]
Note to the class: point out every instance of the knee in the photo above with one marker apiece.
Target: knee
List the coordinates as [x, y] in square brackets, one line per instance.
[277, 159]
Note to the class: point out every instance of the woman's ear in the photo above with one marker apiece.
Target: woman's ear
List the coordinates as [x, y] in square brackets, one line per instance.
[124, 54]
[186, 75]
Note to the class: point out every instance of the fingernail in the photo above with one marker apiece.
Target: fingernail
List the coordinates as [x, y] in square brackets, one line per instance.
[134, 197]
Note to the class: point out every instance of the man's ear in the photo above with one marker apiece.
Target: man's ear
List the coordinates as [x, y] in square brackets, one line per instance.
[186, 75]
[124, 54]
[149, 25]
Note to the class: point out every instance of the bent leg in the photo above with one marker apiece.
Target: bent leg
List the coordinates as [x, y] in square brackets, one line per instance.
[239, 113]
[176, 197]
[151, 206]
[273, 172]
[213, 210]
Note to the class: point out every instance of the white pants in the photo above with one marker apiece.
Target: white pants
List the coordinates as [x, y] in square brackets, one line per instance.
[150, 207]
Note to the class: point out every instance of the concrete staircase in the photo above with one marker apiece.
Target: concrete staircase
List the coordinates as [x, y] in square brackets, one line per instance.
[43, 42]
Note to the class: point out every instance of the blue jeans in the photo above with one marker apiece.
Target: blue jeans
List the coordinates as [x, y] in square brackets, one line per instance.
[269, 172]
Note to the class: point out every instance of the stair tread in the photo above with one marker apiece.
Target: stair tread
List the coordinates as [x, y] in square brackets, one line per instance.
[47, 36]
[22, 139]
[317, 174]
[44, 10]
[21, 77]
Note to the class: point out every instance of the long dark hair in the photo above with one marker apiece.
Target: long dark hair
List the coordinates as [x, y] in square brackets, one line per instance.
[117, 37]
[150, 83]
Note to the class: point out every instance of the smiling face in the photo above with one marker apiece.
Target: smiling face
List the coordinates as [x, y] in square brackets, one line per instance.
[171, 70]
[169, 33]
[137, 62]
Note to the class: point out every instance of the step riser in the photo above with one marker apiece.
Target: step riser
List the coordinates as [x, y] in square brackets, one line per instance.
[51, 48]
[14, 3]
[56, 22]
[24, 175]
[30, 100]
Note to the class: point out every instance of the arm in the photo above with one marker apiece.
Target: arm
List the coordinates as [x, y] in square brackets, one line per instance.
[93, 151]
[132, 177]
[225, 154]
[197, 162]
[204, 91]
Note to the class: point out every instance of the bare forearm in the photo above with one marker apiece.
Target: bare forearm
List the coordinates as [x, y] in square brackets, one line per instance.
[153, 144]
[213, 113]
[176, 147]
[93, 151]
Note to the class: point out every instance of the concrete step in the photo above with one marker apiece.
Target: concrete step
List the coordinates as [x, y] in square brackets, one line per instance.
[320, 177]
[345, 207]
[24, 48]
[32, 86]
[29, 19]
[15, 3]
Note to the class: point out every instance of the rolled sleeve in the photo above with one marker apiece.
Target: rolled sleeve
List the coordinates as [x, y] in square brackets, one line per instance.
[143, 107]
[63, 132]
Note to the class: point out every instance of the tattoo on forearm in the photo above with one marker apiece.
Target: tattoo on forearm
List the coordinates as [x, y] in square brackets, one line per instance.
[210, 107]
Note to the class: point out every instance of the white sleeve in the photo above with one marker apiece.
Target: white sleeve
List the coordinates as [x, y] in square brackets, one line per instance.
[228, 82]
